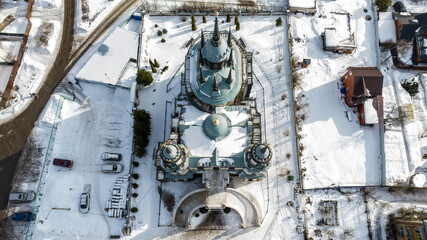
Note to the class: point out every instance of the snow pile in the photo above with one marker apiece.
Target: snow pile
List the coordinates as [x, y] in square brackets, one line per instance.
[111, 59]
[335, 151]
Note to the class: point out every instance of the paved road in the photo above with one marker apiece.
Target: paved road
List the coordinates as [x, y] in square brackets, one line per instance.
[13, 134]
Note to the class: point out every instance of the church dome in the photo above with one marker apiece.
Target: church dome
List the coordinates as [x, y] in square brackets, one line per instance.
[217, 126]
[262, 152]
[170, 152]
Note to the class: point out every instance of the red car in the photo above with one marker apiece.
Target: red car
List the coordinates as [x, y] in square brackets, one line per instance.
[63, 162]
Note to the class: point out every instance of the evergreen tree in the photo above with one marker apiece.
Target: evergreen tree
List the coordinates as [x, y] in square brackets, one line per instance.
[204, 19]
[236, 19]
[156, 64]
[383, 4]
[237, 26]
[193, 22]
[144, 77]
[228, 17]
[279, 22]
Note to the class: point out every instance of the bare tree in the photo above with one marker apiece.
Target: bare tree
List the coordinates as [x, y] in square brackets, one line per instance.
[28, 169]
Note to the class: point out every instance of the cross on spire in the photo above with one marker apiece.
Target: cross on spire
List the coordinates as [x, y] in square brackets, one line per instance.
[215, 39]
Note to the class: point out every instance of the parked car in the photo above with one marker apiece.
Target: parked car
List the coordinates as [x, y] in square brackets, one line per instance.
[63, 162]
[84, 203]
[22, 197]
[106, 156]
[24, 216]
[399, 7]
[112, 168]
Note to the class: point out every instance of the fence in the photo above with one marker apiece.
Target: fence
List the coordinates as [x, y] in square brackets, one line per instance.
[45, 169]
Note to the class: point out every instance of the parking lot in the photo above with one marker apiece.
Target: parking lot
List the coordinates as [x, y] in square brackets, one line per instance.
[99, 120]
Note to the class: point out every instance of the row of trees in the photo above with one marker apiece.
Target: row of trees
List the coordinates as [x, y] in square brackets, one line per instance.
[141, 131]
[228, 19]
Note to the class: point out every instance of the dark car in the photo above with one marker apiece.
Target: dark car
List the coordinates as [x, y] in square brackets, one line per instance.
[63, 162]
[399, 7]
[24, 216]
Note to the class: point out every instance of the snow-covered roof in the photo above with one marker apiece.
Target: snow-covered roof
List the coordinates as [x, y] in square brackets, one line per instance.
[108, 63]
[201, 145]
[302, 3]
[330, 37]
[371, 115]
[386, 27]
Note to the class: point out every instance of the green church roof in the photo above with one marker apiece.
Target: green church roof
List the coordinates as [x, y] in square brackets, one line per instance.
[262, 151]
[217, 126]
[216, 54]
[170, 151]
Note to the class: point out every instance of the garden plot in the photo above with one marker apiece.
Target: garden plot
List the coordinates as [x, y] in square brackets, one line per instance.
[336, 215]
[336, 150]
[406, 121]
[99, 120]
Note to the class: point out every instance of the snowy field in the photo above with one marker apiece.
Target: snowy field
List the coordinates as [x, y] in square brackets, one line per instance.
[99, 120]
[336, 150]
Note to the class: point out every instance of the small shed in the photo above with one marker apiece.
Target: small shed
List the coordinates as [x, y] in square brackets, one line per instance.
[303, 6]
[333, 44]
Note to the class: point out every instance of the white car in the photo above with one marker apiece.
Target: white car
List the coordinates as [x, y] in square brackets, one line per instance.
[106, 156]
[84, 203]
[112, 168]
[22, 197]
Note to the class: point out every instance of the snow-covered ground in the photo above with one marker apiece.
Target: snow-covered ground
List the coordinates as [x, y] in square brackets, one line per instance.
[37, 59]
[89, 13]
[405, 130]
[333, 214]
[336, 150]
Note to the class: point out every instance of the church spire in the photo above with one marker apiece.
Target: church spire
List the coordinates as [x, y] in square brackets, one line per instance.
[202, 77]
[229, 37]
[215, 39]
[230, 77]
[202, 43]
[215, 84]
[230, 59]
[200, 56]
